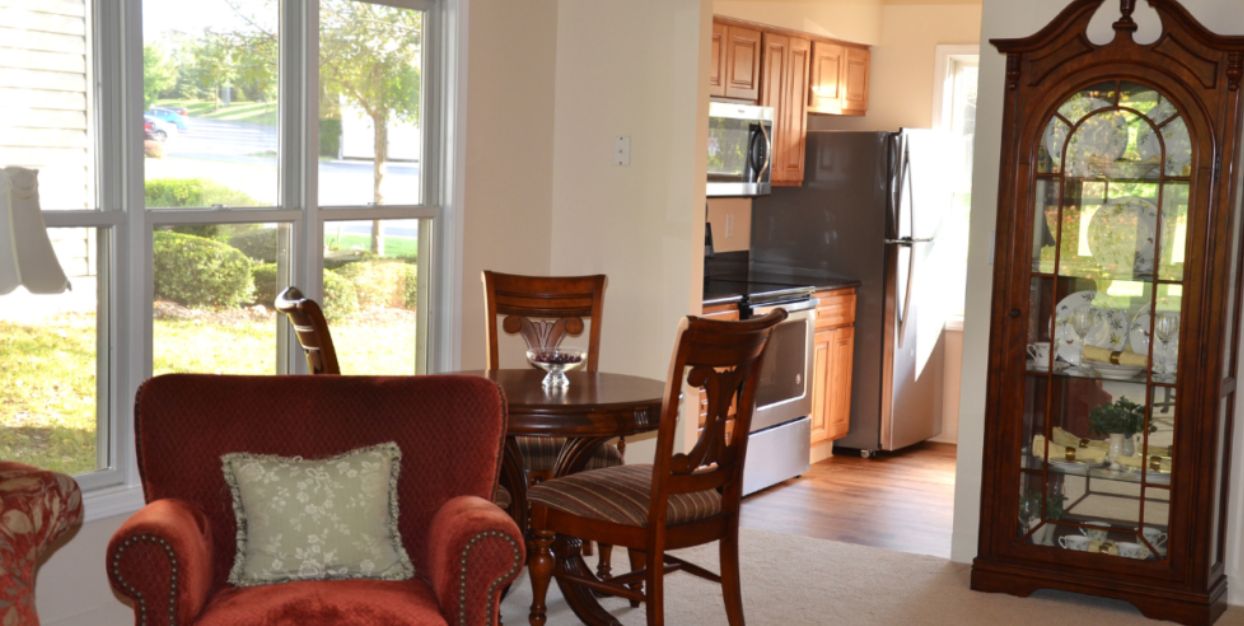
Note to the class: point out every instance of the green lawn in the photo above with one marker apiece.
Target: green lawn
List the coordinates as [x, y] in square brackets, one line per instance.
[47, 372]
[254, 112]
[394, 247]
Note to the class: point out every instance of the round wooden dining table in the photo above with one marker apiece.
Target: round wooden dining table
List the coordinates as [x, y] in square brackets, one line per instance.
[593, 409]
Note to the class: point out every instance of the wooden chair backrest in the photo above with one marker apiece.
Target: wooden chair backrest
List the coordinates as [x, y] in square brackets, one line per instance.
[722, 358]
[311, 329]
[522, 300]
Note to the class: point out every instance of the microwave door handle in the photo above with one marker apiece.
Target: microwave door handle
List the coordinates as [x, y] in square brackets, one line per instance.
[764, 132]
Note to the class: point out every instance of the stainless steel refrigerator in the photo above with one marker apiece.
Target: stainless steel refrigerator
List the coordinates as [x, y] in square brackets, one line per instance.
[870, 208]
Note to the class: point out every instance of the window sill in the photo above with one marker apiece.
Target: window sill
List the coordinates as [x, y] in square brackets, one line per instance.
[112, 501]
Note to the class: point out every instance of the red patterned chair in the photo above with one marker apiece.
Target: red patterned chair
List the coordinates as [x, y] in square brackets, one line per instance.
[37, 509]
[171, 559]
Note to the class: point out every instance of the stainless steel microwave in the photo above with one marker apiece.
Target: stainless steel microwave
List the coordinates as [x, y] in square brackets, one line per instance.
[740, 143]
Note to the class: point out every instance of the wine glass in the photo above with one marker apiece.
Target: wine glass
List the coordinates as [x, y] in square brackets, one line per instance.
[1082, 322]
[1166, 327]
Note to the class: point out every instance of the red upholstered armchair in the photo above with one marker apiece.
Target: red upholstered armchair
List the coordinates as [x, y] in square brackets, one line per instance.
[172, 558]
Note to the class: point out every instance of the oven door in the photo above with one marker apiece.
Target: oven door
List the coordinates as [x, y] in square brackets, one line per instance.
[784, 392]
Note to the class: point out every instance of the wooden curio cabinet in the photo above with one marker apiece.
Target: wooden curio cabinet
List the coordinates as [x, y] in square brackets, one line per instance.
[1115, 315]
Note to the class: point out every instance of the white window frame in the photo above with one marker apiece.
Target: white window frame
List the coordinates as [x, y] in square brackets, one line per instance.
[944, 59]
[126, 303]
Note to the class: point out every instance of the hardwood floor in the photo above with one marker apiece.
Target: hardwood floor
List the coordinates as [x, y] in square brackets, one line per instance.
[902, 501]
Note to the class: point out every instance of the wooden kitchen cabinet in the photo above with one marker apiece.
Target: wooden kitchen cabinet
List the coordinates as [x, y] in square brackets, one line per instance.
[784, 86]
[833, 352]
[716, 85]
[735, 70]
[839, 79]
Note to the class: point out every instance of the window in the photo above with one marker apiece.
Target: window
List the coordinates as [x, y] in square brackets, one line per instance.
[189, 174]
[955, 113]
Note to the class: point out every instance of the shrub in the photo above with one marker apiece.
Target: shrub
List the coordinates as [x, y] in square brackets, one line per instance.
[192, 192]
[340, 297]
[153, 149]
[264, 277]
[330, 138]
[258, 244]
[380, 283]
[196, 271]
[411, 285]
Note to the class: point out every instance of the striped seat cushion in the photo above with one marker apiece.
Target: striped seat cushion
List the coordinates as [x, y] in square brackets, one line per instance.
[620, 495]
[540, 454]
[501, 497]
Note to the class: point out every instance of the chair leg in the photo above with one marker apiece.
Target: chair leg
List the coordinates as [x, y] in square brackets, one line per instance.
[637, 563]
[654, 585]
[541, 567]
[604, 566]
[731, 587]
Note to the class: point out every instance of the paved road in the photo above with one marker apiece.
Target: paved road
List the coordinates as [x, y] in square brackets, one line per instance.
[253, 148]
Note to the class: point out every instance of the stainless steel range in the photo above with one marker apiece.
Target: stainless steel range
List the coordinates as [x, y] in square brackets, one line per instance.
[779, 446]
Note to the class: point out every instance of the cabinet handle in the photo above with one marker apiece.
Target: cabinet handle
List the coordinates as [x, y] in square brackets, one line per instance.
[1014, 313]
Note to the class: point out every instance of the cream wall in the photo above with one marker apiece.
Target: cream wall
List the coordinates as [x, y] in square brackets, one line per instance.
[901, 77]
[507, 217]
[634, 68]
[857, 21]
[1020, 18]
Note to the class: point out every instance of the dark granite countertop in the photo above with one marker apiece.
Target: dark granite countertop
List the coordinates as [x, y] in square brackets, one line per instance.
[730, 277]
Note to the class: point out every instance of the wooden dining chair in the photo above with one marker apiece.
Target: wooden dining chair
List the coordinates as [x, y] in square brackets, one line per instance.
[683, 500]
[544, 310]
[311, 329]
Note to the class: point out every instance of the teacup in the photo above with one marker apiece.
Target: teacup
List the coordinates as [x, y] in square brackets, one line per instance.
[1095, 531]
[1132, 550]
[1079, 543]
[1155, 537]
[1039, 352]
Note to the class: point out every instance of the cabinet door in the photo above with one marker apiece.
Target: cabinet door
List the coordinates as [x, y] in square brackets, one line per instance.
[825, 94]
[855, 98]
[717, 62]
[774, 70]
[742, 69]
[822, 345]
[838, 394]
[792, 118]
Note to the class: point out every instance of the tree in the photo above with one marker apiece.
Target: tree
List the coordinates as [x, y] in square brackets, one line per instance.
[211, 65]
[369, 55]
[158, 75]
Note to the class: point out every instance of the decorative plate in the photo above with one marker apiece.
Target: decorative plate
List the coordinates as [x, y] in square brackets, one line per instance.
[1121, 236]
[1138, 338]
[1110, 331]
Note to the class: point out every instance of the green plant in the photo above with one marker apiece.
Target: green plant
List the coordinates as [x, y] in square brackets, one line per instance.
[196, 271]
[264, 277]
[192, 192]
[340, 297]
[258, 244]
[380, 283]
[330, 138]
[1120, 416]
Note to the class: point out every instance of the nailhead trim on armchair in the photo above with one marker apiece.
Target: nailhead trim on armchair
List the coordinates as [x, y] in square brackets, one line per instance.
[492, 588]
[134, 593]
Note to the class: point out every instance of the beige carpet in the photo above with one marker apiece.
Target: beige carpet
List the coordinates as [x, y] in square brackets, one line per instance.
[790, 581]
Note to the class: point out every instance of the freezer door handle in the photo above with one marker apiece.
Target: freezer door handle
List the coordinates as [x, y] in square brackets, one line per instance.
[907, 241]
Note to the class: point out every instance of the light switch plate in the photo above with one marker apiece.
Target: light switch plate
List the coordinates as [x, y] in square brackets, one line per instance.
[622, 150]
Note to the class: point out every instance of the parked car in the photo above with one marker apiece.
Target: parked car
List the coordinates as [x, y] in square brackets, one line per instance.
[157, 129]
[171, 116]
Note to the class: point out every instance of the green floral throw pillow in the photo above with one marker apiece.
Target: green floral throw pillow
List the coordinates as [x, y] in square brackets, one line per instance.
[321, 519]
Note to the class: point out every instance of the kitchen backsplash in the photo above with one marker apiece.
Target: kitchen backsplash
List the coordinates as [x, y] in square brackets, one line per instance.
[731, 219]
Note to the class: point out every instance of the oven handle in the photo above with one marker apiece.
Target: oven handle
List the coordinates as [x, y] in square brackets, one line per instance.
[791, 307]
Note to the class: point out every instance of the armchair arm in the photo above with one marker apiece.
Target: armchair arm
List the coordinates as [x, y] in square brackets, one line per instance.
[161, 559]
[474, 551]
